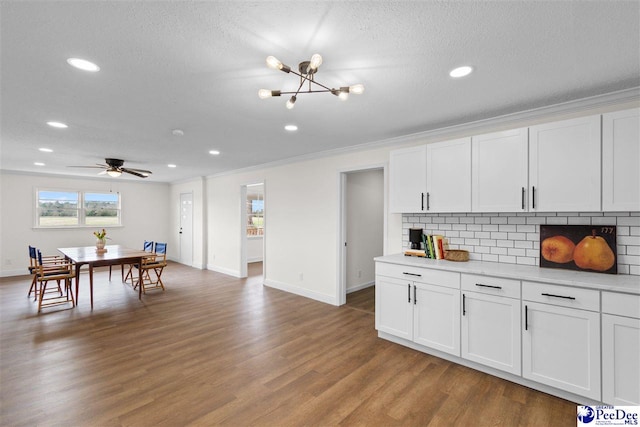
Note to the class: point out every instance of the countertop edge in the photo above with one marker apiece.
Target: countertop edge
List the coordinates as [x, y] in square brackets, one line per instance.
[603, 282]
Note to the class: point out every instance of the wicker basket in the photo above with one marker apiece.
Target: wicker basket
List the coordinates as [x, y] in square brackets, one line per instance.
[456, 255]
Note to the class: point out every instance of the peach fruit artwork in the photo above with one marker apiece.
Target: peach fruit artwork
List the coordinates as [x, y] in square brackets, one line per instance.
[593, 253]
[558, 249]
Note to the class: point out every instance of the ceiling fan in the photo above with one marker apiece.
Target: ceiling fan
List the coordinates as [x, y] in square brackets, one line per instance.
[114, 168]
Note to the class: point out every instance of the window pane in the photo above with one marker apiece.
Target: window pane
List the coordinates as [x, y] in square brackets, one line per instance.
[102, 209]
[57, 208]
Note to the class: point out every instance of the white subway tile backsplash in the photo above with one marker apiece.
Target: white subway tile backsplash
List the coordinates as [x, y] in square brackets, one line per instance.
[514, 238]
[630, 221]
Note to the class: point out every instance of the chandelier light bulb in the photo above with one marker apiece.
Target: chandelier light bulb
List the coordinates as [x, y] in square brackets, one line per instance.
[273, 62]
[356, 89]
[291, 102]
[343, 95]
[316, 61]
[264, 93]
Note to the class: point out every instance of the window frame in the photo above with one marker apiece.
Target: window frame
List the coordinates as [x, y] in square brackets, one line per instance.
[81, 209]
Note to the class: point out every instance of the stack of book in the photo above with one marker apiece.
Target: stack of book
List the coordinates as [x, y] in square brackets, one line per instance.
[435, 246]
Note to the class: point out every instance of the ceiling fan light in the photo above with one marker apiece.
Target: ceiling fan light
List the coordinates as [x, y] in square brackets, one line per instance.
[356, 89]
[291, 102]
[114, 173]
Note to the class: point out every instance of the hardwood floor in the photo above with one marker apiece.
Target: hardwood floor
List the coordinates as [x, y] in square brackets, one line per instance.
[215, 350]
[364, 299]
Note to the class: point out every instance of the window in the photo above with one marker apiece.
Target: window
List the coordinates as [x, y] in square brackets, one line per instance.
[77, 209]
[255, 210]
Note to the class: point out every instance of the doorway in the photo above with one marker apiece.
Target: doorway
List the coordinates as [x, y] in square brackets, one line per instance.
[253, 230]
[186, 228]
[363, 231]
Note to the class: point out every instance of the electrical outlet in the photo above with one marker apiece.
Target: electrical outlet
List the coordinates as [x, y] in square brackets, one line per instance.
[359, 274]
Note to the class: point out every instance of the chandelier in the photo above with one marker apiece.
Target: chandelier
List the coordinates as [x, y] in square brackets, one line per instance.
[307, 71]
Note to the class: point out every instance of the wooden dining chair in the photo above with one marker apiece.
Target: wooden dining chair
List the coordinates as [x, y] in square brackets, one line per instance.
[147, 247]
[33, 270]
[57, 271]
[154, 264]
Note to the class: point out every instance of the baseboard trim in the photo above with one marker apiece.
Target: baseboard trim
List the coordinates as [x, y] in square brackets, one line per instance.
[361, 287]
[327, 299]
[223, 270]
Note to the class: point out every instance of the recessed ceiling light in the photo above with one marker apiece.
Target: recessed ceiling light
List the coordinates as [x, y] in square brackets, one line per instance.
[461, 71]
[83, 64]
[58, 125]
[214, 152]
[291, 128]
[46, 150]
[38, 163]
[171, 165]
[177, 132]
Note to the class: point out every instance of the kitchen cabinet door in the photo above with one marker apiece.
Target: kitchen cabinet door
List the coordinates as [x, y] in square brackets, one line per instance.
[620, 363]
[491, 331]
[499, 167]
[394, 311]
[620, 159]
[407, 179]
[449, 176]
[564, 166]
[561, 348]
[436, 317]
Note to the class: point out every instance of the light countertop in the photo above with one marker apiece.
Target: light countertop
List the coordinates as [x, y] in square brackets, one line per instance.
[604, 282]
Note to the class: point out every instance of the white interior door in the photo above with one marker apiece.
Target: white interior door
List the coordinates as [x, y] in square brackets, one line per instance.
[186, 228]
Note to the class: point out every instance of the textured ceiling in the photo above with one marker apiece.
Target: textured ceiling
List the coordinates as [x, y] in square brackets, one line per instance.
[197, 66]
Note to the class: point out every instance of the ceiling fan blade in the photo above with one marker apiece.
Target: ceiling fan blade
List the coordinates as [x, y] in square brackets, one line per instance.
[134, 172]
[142, 171]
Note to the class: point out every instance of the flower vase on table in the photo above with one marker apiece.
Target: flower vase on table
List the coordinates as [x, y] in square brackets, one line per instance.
[101, 240]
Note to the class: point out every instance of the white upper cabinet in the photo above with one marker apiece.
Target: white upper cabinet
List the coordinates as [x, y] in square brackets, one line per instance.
[449, 176]
[620, 160]
[500, 171]
[564, 166]
[408, 180]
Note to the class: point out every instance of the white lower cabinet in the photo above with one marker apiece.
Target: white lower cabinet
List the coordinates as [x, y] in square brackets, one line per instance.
[436, 318]
[491, 322]
[560, 343]
[394, 313]
[419, 305]
[620, 349]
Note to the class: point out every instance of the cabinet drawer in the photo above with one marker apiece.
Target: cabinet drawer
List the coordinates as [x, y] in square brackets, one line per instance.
[584, 299]
[417, 274]
[621, 304]
[491, 285]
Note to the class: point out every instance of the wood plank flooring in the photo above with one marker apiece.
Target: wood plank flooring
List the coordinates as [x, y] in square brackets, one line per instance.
[364, 299]
[215, 350]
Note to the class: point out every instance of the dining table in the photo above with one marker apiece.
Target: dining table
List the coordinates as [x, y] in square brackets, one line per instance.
[110, 255]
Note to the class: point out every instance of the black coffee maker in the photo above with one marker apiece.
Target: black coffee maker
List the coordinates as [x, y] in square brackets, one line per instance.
[415, 237]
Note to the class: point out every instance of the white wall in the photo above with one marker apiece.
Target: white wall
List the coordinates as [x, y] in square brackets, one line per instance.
[302, 219]
[254, 249]
[145, 216]
[197, 188]
[365, 226]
